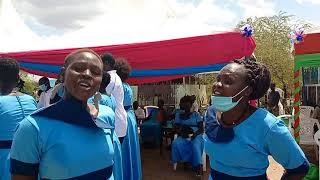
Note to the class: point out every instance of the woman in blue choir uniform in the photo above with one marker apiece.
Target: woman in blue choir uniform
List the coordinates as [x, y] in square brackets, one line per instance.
[184, 147]
[103, 99]
[14, 106]
[240, 138]
[130, 146]
[70, 139]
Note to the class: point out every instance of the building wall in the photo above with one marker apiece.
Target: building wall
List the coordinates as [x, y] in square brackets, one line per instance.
[171, 94]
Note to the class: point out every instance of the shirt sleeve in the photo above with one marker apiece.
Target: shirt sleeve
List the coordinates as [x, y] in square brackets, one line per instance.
[25, 150]
[110, 86]
[199, 118]
[41, 101]
[283, 148]
[176, 118]
[121, 114]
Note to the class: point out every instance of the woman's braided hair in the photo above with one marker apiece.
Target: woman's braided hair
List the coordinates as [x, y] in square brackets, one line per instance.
[258, 78]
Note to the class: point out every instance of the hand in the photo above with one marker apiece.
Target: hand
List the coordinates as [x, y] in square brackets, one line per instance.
[97, 97]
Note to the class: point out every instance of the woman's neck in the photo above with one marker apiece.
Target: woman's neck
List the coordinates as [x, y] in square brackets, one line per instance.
[187, 111]
[68, 97]
[236, 115]
[8, 92]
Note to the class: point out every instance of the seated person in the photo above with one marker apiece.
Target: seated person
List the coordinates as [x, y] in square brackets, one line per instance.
[188, 147]
[150, 129]
[139, 112]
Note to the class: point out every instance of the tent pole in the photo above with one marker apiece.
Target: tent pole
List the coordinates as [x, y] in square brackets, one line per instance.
[296, 94]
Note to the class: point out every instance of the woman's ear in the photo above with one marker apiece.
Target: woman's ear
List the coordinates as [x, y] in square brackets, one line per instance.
[18, 79]
[249, 91]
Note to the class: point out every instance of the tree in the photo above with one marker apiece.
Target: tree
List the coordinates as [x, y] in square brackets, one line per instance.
[274, 49]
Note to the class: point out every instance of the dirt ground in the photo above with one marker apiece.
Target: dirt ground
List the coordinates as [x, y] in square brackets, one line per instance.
[158, 167]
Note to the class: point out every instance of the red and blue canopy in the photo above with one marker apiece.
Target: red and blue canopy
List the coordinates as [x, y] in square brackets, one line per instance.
[153, 61]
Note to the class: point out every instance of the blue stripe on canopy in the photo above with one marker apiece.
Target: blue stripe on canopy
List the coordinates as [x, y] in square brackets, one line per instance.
[135, 73]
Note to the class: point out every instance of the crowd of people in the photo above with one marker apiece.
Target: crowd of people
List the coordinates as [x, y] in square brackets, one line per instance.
[86, 126]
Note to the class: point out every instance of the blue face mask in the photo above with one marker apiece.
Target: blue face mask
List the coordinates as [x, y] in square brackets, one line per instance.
[60, 91]
[224, 103]
[43, 87]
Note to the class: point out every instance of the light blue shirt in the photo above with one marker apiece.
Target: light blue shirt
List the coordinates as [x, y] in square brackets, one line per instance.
[63, 150]
[12, 110]
[260, 135]
[128, 95]
[106, 100]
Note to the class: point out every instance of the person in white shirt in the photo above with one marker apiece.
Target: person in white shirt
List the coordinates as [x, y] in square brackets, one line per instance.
[44, 86]
[115, 88]
[139, 112]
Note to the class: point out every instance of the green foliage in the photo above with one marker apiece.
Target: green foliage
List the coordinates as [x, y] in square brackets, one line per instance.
[271, 35]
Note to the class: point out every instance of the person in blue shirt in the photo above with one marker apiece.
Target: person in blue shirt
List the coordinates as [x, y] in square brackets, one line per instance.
[70, 139]
[239, 137]
[130, 146]
[188, 148]
[102, 98]
[14, 106]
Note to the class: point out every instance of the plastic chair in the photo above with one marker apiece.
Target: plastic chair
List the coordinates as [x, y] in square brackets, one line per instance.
[307, 136]
[306, 129]
[306, 110]
[306, 125]
[148, 109]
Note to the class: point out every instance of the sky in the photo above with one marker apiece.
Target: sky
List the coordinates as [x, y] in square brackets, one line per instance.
[50, 24]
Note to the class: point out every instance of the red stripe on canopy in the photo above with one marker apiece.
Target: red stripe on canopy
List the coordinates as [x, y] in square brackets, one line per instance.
[310, 45]
[176, 53]
[191, 51]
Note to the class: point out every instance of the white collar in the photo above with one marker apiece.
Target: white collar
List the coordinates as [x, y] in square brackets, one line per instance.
[112, 71]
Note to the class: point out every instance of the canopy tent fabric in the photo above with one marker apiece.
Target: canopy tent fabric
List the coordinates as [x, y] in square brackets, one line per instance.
[153, 61]
[307, 54]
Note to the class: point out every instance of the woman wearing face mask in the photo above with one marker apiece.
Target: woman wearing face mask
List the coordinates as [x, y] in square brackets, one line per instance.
[57, 90]
[14, 106]
[44, 86]
[70, 139]
[240, 140]
[184, 149]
